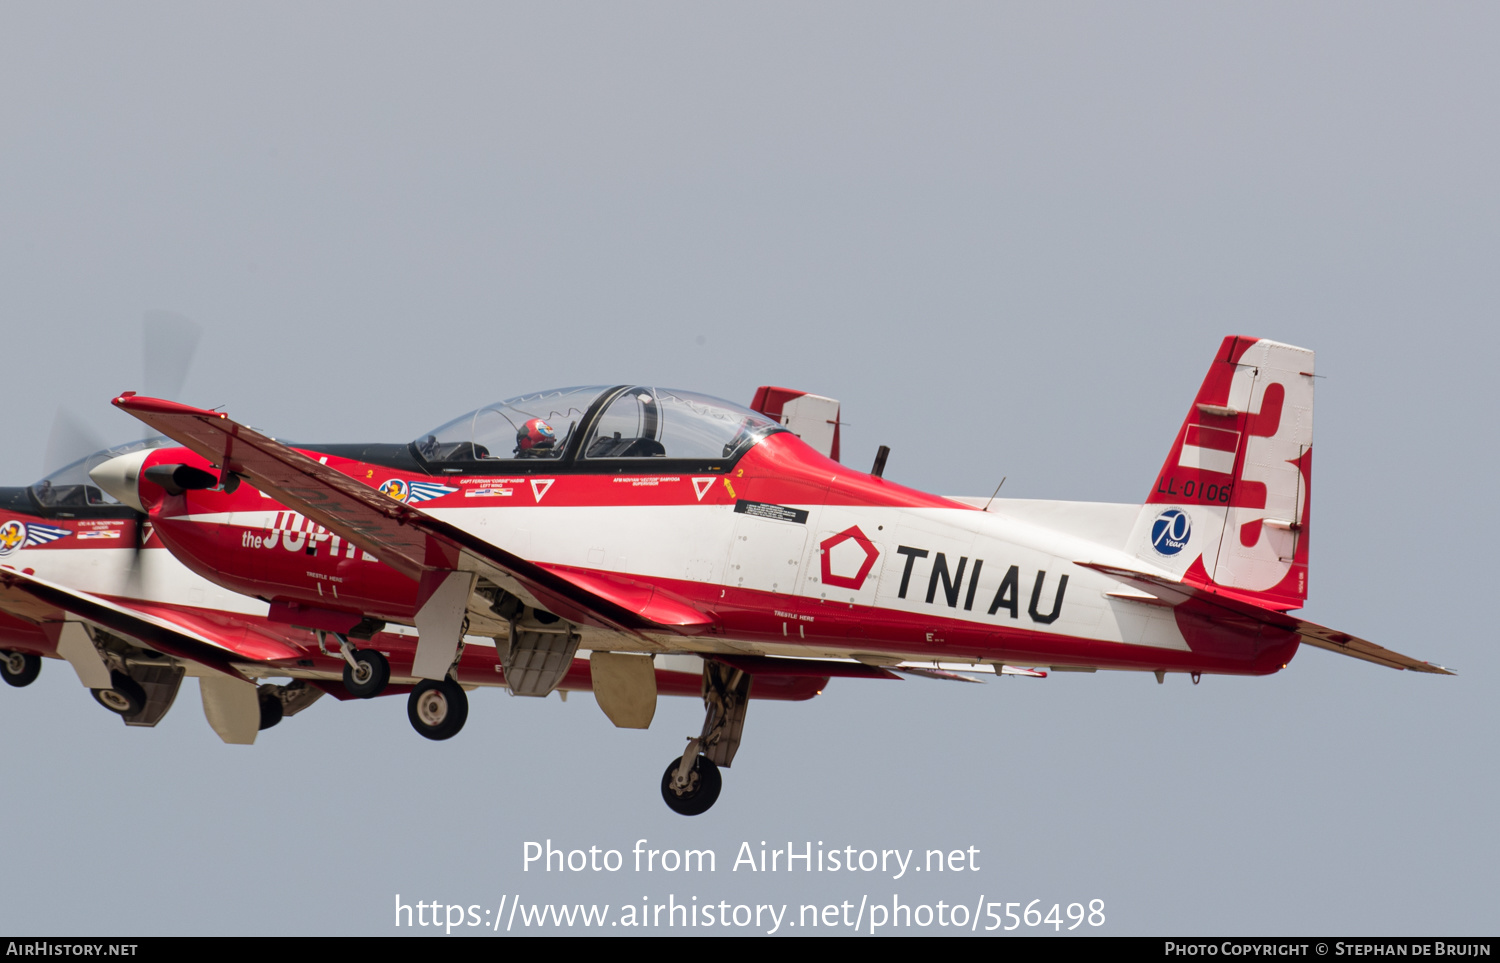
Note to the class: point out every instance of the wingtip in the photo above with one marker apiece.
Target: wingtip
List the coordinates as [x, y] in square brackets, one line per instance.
[132, 402]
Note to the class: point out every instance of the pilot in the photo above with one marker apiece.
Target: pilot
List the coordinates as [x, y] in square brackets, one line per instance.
[535, 439]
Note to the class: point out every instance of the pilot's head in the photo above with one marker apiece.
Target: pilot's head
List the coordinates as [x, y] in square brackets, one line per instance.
[535, 437]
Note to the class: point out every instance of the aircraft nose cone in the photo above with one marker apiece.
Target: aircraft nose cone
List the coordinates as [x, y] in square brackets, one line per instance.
[119, 477]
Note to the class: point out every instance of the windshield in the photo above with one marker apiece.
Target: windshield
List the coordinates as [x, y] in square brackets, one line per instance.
[531, 426]
[70, 486]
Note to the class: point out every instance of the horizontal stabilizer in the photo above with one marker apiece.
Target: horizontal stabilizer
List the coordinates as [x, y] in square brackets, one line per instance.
[1169, 592]
[1322, 637]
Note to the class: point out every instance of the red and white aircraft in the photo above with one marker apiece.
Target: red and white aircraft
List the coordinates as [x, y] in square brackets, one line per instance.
[636, 522]
[82, 579]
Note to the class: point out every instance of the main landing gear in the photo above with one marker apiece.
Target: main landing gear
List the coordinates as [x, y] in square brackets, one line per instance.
[271, 709]
[437, 710]
[366, 671]
[279, 702]
[125, 696]
[20, 668]
[691, 784]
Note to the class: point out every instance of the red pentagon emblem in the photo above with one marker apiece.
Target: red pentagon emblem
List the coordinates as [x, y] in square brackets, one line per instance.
[857, 579]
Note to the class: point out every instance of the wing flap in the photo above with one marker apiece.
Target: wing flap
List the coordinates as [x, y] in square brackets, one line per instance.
[789, 667]
[654, 604]
[927, 672]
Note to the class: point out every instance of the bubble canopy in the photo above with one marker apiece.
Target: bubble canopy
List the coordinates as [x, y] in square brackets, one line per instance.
[598, 424]
[71, 487]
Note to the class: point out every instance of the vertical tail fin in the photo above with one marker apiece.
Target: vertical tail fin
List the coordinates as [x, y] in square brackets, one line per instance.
[1229, 510]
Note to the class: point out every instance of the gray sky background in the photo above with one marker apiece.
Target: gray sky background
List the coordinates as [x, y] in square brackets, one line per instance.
[1007, 236]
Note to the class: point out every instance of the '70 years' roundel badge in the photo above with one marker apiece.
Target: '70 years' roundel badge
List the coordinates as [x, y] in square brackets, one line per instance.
[1170, 531]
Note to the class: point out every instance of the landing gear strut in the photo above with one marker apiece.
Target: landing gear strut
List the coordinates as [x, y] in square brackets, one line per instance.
[691, 784]
[437, 710]
[20, 668]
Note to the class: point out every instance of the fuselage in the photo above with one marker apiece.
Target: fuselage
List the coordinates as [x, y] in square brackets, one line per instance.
[791, 553]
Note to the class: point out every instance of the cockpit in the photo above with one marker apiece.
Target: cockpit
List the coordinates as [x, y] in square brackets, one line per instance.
[71, 487]
[593, 427]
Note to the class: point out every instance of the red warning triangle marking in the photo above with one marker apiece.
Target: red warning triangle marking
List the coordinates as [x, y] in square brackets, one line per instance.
[539, 486]
[701, 486]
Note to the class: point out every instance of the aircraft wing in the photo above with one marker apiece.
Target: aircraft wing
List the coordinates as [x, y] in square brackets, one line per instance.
[38, 600]
[410, 541]
[1166, 591]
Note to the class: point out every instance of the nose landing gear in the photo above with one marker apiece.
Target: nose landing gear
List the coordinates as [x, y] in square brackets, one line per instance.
[694, 794]
[691, 784]
[366, 671]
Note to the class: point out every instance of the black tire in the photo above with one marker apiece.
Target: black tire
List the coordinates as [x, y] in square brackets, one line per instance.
[20, 668]
[271, 710]
[703, 791]
[125, 696]
[374, 674]
[438, 710]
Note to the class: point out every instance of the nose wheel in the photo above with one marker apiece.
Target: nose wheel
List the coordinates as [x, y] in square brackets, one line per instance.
[366, 671]
[694, 792]
[692, 782]
[437, 710]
